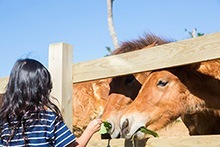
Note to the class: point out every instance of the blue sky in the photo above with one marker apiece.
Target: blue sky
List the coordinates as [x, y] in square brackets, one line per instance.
[27, 27]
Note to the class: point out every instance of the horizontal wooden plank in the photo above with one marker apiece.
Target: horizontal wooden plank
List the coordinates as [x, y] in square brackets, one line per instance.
[173, 54]
[188, 141]
[171, 141]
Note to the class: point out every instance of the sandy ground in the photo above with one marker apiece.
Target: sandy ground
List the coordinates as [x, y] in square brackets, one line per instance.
[175, 129]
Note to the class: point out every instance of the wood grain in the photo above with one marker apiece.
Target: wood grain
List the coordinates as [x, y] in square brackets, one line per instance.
[169, 55]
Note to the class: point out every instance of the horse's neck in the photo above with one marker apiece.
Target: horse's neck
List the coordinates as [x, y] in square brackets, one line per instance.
[211, 68]
[204, 88]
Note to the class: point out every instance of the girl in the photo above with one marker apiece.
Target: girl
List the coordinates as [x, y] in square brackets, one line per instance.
[28, 117]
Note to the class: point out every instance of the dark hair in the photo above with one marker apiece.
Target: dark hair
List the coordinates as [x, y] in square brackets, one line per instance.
[27, 91]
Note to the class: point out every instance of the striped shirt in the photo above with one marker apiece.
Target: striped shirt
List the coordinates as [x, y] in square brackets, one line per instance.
[48, 131]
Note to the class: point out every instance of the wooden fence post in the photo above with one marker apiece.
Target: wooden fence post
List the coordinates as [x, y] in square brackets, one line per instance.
[60, 67]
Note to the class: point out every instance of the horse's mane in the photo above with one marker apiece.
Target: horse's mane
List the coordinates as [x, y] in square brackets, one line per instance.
[146, 40]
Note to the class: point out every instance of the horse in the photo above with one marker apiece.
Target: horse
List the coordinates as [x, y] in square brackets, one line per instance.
[124, 89]
[90, 98]
[191, 92]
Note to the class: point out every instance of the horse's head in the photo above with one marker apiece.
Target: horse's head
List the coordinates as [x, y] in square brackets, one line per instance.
[160, 101]
[123, 90]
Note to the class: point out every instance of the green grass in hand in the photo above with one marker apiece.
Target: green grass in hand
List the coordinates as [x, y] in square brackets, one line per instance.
[105, 127]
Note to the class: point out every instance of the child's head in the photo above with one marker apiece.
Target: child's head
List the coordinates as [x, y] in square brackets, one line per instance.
[29, 83]
[28, 88]
[29, 78]
[27, 93]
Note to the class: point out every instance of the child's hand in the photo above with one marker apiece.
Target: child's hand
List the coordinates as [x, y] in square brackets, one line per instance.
[94, 125]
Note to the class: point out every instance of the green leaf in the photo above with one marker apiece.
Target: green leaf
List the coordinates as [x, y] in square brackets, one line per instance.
[200, 34]
[105, 127]
[147, 131]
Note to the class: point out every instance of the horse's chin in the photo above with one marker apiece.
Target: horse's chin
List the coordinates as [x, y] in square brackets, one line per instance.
[115, 134]
[137, 135]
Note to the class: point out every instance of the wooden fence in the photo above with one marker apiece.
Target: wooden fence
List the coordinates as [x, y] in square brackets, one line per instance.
[65, 73]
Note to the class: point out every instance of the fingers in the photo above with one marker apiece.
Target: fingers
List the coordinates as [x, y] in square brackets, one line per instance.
[99, 122]
[95, 125]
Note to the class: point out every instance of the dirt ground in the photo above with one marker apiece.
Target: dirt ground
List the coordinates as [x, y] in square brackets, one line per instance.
[175, 129]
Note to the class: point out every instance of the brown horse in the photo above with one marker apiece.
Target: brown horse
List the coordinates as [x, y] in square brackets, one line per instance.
[190, 91]
[89, 99]
[124, 89]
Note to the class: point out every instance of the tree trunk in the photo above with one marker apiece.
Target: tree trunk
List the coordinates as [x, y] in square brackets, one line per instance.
[111, 25]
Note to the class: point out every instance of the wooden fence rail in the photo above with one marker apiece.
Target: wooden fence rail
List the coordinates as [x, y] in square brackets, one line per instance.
[173, 54]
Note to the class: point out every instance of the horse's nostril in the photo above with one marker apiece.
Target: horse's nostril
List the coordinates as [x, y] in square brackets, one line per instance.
[125, 129]
[125, 124]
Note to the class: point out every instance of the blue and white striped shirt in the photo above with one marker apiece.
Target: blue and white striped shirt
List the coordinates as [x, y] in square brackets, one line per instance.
[48, 131]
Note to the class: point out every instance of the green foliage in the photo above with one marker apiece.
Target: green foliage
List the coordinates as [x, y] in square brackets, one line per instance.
[105, 127]
[194, 33]
[200, 34]
[147, 131]
[109, 50]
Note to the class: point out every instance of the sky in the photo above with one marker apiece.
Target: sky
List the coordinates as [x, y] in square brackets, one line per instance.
[28, 27]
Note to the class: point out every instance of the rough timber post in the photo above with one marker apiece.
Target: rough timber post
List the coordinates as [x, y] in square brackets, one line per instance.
[60, 67]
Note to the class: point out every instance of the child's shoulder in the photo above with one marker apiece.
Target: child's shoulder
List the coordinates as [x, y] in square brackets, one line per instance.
[49, 114]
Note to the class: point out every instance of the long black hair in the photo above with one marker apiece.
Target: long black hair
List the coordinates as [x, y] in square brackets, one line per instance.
[27, 91]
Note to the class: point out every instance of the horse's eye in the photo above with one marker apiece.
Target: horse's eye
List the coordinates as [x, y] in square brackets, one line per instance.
[129, 79]
[162, 83]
